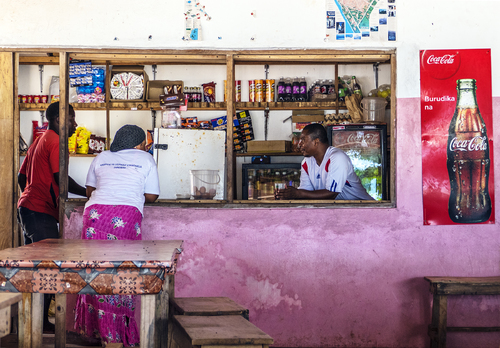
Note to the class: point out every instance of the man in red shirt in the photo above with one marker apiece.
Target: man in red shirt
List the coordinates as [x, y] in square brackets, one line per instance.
[38, 179]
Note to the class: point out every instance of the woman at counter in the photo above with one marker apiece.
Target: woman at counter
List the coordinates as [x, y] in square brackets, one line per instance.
[118, 183]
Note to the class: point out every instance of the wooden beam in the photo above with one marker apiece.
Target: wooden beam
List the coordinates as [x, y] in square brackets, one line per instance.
[17, 236]
[393, 164]
[37, 320]
[60, 334]
[230, 160]
[6, 148]
[25, 323]
[63, 136]
[274, 58]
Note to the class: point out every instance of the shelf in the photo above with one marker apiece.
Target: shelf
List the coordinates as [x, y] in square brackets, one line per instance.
[76, 106]
[250, 154]
[288, 105]
[125, 105]
[82, 155]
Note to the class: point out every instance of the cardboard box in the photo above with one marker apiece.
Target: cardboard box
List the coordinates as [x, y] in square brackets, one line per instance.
[136, 69]
[299, 122]
[155, 88]
[269, 146]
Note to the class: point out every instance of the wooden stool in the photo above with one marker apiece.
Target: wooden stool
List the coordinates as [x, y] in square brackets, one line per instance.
[207, 306]
[217, 331]
[441, 287]
[7, 299]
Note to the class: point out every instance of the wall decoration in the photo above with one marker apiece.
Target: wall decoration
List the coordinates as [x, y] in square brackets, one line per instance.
[361, 20]
[194, 12]
[457, 137]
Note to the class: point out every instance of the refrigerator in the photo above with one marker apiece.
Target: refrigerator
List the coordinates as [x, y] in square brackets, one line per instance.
[178, 151]
[259, 179]
[366, 146]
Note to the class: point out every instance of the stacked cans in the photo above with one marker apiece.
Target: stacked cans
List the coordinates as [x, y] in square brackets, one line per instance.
[237, 90]
[261, 90]
[32, 98]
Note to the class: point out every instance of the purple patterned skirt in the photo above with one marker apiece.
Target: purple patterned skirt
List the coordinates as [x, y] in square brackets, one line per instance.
[109, 317]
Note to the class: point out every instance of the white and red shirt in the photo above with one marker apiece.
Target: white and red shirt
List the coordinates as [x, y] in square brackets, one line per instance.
[335, 174]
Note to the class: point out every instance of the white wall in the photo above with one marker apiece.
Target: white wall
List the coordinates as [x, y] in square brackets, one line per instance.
[422, 24]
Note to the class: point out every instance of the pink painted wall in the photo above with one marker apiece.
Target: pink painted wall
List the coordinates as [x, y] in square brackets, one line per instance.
[337, 277]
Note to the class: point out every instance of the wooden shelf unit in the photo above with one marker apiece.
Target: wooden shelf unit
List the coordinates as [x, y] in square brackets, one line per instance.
[230, 59]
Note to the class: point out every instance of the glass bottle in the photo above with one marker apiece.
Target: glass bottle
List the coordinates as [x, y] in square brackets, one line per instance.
[468, 159]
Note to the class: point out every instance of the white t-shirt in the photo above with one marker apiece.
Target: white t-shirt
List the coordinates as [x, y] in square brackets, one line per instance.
[122, 178]
[335, 174]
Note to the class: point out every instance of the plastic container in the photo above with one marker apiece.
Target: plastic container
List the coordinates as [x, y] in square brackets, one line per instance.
[373, 109]
[204, 183]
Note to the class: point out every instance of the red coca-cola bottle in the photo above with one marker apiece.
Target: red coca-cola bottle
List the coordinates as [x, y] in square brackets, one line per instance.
[468, 159]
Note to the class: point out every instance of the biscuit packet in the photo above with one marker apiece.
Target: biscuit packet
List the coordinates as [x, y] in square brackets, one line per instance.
[82, 140]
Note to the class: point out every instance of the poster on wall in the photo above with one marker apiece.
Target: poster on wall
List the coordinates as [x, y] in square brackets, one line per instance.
[457, 137]
[373, 20]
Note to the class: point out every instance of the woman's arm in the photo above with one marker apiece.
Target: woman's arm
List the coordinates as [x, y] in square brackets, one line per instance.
[89, 191]
[150, 198]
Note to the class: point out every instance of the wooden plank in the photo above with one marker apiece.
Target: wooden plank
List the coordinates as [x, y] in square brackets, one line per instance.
[465, 285]
[221, 330]
[17, 233]
[114, 345]
[230, 160]
[147, 327]
[274, 58]
[37, 320]
[439, 319]
[108, 97]
[473, 329]
[208, 306]
[63, 136]
[7, 299]
[4, 321]
[150, 59]
[393, 141]
[162, 329]
[24, 322]
[6, 148]
[158, 252]
[60, 334]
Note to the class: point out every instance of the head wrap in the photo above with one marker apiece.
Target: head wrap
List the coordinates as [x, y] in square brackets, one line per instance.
[127, 137]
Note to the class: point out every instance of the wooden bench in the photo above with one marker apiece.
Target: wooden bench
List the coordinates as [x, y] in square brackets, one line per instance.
[207, 306]
[441, 288]
[7, 299]
[231, 331]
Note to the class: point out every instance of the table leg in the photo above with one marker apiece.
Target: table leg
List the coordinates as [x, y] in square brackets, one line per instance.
[24, 322]
[60, 335]
[162, 328]
[36, 320]
[148, 304]
[439, 319]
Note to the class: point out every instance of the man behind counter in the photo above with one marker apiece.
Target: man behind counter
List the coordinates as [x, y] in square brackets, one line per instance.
[38, 179]
[327, 172]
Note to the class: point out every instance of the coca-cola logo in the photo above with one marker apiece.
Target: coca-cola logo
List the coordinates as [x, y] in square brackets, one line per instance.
[477, 143]
[445, 59]
[368, 139]
[440, 64]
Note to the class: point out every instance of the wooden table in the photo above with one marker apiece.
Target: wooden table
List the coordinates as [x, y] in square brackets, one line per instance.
[7, 299]
[91, 267]
[441, 287]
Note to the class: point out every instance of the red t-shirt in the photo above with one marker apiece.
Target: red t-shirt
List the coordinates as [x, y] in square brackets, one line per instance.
[42, 161]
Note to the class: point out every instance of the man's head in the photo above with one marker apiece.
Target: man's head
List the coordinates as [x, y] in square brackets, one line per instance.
[313, 140]
[129, 137]
[52, 115]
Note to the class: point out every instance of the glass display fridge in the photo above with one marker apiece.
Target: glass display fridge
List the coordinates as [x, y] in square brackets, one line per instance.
[258, 180]
[366, 146]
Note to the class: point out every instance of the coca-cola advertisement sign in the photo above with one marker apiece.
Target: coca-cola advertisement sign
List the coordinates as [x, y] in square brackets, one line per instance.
[457, 137]
[440, 64]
